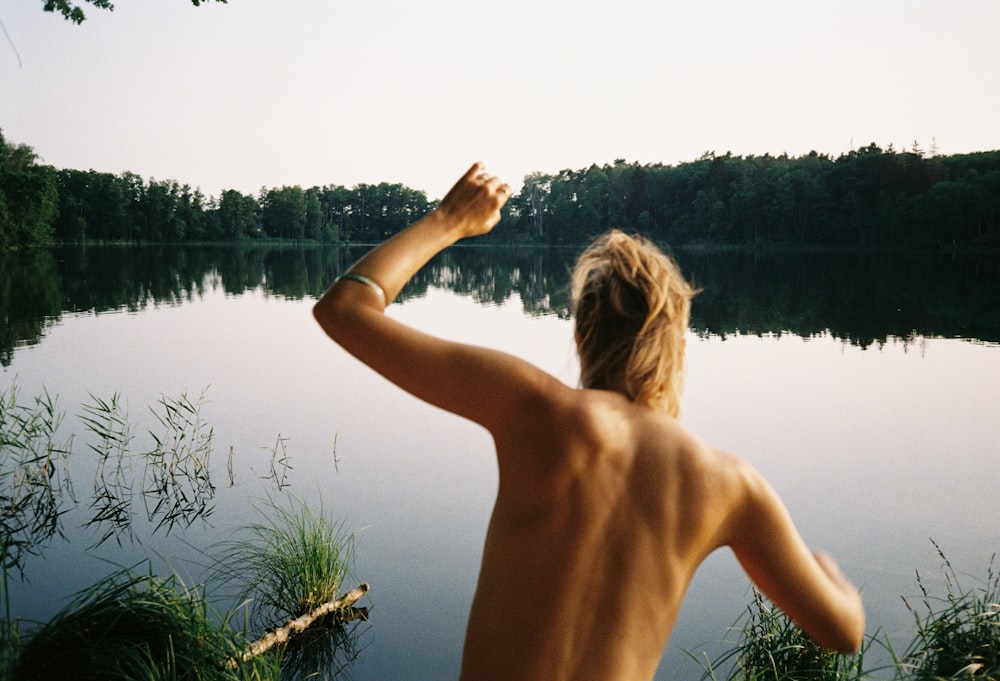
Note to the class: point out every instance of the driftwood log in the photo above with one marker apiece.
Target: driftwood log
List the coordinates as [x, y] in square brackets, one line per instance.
[296, 626]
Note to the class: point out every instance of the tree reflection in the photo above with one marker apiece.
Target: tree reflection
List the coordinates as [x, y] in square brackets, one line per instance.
[863, 298]
[860, 298]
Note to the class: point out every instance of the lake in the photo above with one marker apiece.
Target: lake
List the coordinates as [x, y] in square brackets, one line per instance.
[865, 386]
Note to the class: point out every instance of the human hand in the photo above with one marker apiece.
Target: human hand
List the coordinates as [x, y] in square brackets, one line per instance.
[473, 204]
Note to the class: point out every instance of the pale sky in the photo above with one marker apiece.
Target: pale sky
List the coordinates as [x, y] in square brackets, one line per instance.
[313, 92]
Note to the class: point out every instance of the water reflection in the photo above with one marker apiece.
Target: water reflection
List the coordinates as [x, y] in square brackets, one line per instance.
[301, 551]
[177, 488]
[862, 298]
[172, 476]
[35, 490]
[858, 445]
[322, 653]
[175, 485]
[113, 482]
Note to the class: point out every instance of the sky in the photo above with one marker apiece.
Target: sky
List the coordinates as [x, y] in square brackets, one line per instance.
[268, 93]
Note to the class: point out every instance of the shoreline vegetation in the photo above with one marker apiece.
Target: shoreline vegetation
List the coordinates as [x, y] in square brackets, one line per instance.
[292, 567]
[133, 625]
[294, 564]
[957, 636]
[868, 198]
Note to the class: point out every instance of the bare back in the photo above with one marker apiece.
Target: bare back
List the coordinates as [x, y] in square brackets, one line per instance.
[599, 525]
[605, 508]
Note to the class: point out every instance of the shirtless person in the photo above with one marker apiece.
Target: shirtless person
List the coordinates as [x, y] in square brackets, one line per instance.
[606, 503]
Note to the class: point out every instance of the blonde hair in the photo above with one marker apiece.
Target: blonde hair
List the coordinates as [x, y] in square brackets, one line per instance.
[631, 305]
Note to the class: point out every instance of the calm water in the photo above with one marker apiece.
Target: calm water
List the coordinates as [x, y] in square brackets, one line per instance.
[866, 387]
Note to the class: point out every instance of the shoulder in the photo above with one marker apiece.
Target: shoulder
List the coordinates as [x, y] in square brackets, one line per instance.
[751, 504]
[657, 446]
[608, 419]
[713, 487]
[562, 431]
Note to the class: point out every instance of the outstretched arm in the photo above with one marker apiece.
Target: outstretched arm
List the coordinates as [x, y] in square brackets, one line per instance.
[808, 586]
[473, 382]
[471, 207]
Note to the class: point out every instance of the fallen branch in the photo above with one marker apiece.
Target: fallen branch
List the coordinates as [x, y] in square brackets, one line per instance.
[296, 626]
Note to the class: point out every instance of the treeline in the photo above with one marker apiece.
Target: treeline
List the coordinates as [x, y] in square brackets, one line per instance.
[41, 205]
[869, 197]
[105, 207]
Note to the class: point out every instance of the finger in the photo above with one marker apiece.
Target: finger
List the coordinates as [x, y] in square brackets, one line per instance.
[463, 184]
[491, 182]
[473, 170]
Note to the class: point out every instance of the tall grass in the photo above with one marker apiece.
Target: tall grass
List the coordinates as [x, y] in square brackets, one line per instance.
[177, 485]
[293, 561]
[142, 627]
[34, 488]
[107, 420]
[136, 627]
[958, 635]
[770, 647]
[10, 639]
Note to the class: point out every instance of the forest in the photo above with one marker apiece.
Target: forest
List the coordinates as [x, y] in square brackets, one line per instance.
[867, 198]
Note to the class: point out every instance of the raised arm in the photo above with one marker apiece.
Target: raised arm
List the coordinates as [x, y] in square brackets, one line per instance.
[470, 381]
[471, 208]
[808, 586]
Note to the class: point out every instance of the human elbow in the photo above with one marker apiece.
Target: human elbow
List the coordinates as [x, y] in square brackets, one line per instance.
[847, 643]
[329, 314]
[856, 634]
[848, 636]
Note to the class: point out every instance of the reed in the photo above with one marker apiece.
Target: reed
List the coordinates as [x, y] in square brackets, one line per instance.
[293, 561]
[143, 627]
[770, 647]
[177, 485]
[35, 489]
[107, 421]
[10, 638]
[958, 635]
[280, 466]
[136, 627]
[168, 469]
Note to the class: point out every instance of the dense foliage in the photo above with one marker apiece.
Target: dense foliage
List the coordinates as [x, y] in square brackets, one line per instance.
[105, 207]
[867, 198]
[28, 197]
